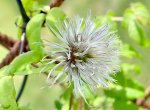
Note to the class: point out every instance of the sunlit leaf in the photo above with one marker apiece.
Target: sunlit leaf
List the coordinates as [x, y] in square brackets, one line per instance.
[106, 19]
[136, 32]
[54, 17]
[7, 94]
[128, 51]
[124, 105]
[134, 17]
[124, 93]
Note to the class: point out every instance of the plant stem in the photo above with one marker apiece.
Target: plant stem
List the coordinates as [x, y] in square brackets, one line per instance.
[22, 87]
[71, 101]
[22, 11]
[115, 18]
[6, 41]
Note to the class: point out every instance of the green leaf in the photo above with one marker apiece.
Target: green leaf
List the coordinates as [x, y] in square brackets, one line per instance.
[23, 60]
[123, 80]
[129, 51]
[127, 68]
[141, 12]
[106, 19]
[29, 69]
[134, 17]
[31, 6]
[132, 93]
[88, 93]
[124, 105]
[33, 31]
[58, 105]
[136, 32]
[7, 94]
[67, 92]
[19, 22]
[117, 93]
[33, 36]
[124, 93]
[120, 78]
[134, 84]
[53, 17]
[24, 108]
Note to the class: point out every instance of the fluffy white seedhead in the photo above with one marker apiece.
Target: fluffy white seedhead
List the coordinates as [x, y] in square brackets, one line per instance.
[88, 55]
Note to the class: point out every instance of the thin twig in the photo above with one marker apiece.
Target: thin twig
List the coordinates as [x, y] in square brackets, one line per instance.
[80, 104]
[22, 45]
[71, 101]
[22, 11]
[6, 41]
[11, 55]
[22, 88]
[21, 49]
[115, 18]
[142, 102]
[55, 3]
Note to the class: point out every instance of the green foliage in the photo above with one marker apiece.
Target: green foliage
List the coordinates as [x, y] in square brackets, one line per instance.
[58, 105]
[124, 105]
[124, 93]
[129, 51]
[54, 17]
[106, 19]
[134, 18]
[7, 94]
[24, 108]
[32, 7]
[33, 36]
[33, 32]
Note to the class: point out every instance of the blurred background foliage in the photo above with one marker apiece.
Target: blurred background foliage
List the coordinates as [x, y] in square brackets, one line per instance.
[37, 94]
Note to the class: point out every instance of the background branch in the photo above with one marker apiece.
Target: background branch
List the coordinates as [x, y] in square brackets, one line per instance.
[6, 41]
[116, 18]
[55, 3]
[14, 51]
[143, 101]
